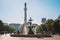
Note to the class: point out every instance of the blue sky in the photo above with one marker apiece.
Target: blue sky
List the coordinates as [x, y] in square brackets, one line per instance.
[12, 11]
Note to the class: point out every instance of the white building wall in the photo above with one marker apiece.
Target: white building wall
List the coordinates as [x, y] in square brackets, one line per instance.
[16, 27]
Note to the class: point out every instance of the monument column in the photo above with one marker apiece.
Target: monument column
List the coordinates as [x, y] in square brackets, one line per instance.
[25, 20]
[25, 15]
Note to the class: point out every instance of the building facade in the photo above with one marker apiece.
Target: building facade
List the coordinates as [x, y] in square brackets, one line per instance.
[15, 26]
[43, 20]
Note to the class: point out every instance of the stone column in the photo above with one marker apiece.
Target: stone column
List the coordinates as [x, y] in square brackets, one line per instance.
[25, 20]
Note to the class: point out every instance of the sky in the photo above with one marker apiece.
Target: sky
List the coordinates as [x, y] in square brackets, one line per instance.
[12, 11]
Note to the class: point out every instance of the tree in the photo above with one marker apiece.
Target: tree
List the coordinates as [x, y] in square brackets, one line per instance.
[8, 28]
[38, 29]
[1, 27]
[50, 23]
[57, 26]
[44, 27]
[5, 28]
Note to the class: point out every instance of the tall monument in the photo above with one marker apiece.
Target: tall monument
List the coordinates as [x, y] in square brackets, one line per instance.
[25, 19]
[25, 15]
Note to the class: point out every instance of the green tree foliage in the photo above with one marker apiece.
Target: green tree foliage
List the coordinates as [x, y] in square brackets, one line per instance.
[57, 26]
[44, 27]
[38, 29]
[49, 24]
[47, 27]
[5, 28]
[1, 26]
[8, 28]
